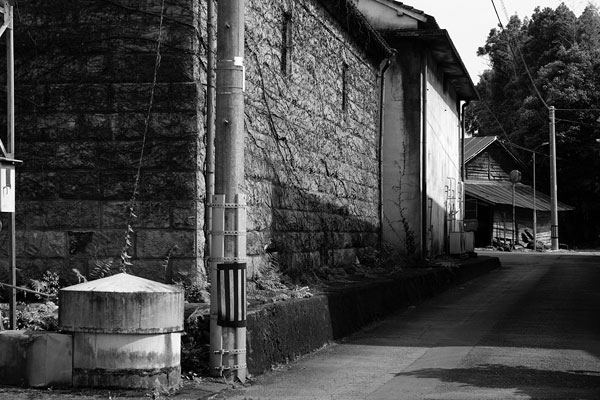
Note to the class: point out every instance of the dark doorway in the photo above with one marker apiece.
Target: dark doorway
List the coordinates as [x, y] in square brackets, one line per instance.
[483, 235]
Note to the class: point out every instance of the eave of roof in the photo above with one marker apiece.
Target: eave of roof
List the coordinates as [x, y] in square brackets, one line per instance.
[477, 144]
[401, 9]
[500, 192]
[346, 13]
[445, 54]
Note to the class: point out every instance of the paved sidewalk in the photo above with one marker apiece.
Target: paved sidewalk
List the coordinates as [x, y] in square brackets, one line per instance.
[377, 298]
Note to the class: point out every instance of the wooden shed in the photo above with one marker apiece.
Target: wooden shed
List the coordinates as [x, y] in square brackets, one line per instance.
[489, 196]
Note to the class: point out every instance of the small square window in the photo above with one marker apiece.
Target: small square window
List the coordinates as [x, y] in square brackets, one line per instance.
[287, 43]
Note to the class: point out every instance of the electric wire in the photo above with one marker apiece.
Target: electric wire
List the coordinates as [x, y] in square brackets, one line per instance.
[508, 42]
[125, 257]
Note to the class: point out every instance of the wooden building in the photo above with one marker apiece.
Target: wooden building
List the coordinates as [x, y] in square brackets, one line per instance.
[489, 196]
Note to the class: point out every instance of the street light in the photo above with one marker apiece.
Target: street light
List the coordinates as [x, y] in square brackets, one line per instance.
[534, 200]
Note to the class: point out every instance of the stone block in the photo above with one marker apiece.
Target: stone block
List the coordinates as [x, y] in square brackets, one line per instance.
[58, 214]
[149, 214]
[107, 243]
[79, 185]
[36, 185]
[158, 186]
[167, 97]
[77, 97]
[158, 243]
[179, 155]
[117, 185]
[35, 358]
[188, 214]
[45, 244]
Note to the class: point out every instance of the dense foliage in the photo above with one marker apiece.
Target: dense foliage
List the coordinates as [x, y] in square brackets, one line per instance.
[550, 59]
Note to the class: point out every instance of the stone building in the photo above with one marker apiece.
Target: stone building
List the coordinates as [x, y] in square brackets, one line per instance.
[425, 85]
[105, 85]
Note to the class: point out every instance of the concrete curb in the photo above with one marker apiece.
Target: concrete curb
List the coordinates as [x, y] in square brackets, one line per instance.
[282, 331]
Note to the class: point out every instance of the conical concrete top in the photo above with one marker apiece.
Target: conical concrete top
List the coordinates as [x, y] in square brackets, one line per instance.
[121, 303]
[122, 283]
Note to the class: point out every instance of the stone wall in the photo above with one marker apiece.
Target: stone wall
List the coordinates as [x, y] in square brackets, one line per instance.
[85, 73]
[312, 140]
[84, 82]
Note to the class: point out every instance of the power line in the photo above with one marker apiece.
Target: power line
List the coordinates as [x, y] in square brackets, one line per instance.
[577, 109]
[508, 40]
[578, 123]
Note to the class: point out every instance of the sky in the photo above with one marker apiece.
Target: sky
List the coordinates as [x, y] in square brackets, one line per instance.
[469, 21]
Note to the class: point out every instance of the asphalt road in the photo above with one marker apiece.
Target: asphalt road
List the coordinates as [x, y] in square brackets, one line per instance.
[528, 331]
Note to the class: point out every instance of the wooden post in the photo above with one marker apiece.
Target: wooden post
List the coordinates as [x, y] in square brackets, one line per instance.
[229, 341]
[514, 222]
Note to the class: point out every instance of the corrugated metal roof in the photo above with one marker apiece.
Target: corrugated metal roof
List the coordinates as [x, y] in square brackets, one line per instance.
[500, 192]
[475, 145]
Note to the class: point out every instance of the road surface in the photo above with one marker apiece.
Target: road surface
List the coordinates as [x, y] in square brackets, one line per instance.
[530, 330]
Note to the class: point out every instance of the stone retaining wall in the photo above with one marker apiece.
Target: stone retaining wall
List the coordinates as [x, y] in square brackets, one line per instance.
[277, 333]
[85, 72]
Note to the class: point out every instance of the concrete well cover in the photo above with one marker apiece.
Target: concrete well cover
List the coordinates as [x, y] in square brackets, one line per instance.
[121, 303]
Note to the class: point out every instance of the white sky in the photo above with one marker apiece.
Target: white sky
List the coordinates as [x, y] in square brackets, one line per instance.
[469, 21]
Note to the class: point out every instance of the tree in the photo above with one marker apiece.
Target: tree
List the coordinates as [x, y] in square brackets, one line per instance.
[552, 58]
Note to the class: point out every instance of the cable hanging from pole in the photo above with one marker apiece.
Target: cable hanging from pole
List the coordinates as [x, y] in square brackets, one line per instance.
[508, 40]
[125, 256]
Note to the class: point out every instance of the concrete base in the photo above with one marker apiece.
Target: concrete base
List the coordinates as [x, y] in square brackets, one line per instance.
[127, 361]
[282, 331]
[36, 359]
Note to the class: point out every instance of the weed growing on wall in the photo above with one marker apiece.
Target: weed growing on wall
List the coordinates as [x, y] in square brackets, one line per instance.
[407, 236]
[49, 285]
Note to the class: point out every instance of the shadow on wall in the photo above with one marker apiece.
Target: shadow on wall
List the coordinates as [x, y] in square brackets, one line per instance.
[312, 233]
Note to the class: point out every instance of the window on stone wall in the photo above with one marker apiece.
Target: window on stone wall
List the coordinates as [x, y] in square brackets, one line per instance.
[287, 43]
[344, 87]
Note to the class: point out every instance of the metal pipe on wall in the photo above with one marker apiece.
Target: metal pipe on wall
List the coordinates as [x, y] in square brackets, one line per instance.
[424, 80]
[382, 71]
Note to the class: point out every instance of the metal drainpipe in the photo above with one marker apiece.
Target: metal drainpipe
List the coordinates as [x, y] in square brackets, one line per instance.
[382, 71]
[463, 172]
[211, 20]
[424, 207]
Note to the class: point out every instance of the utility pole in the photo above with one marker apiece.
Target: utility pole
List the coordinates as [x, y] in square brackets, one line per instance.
[553, 184]
[534, 208]
[7, 154]
[228, 230]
